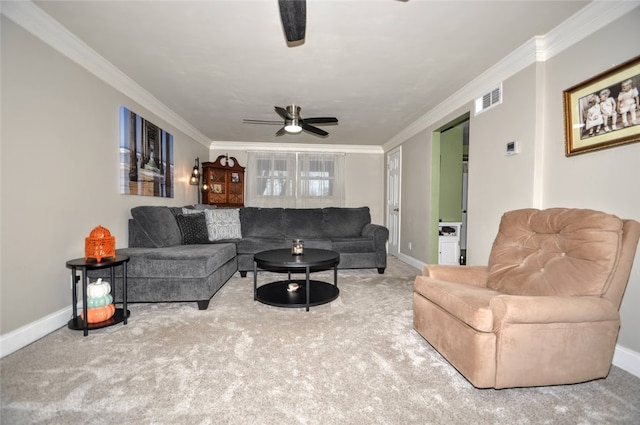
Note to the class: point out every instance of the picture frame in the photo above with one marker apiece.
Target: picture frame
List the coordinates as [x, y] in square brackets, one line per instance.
[146, 157]
[603, 111]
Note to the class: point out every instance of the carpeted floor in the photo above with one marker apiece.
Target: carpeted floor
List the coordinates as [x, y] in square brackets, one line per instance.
[354, 361]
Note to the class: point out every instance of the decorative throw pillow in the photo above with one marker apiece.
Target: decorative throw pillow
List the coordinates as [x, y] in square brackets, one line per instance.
[193, 228]
[204, 207]
[187, 211]
[223, 223]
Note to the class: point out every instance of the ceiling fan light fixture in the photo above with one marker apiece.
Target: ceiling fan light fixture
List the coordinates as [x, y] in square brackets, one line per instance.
[292, 126]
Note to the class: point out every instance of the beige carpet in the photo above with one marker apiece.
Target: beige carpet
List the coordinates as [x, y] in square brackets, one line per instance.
[354, 361]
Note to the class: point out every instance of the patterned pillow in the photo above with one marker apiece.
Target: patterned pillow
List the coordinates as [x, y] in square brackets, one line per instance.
[193, 228]
[187, 211]
[223, 223]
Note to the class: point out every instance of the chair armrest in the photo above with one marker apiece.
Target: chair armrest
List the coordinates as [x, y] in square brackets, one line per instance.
[544, 309]
[471, 275]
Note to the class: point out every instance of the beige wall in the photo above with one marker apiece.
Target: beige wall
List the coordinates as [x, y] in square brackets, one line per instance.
[60, 173]
[415, 213]
[499, 183]
[540, 176]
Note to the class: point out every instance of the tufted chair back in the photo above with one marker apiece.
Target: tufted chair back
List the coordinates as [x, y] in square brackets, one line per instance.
[559, 252]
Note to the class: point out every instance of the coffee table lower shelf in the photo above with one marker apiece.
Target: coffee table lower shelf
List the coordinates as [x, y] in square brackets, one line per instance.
[276, 294]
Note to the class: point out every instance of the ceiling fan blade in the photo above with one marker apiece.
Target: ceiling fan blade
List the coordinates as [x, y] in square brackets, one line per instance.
[314, 130]
[281, 132]
[321, 120]
[283, 113]
[246, 121]
[294, 18]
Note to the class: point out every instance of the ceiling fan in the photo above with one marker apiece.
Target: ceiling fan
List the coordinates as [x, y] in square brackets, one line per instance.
[293, 14]
[294, 18]
[294, 123]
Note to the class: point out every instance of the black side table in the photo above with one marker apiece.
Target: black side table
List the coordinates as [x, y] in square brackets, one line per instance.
[121, 314]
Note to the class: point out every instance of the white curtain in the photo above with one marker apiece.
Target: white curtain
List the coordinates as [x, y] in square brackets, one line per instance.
[295, 179]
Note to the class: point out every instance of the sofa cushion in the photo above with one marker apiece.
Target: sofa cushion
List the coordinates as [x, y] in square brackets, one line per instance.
[223, 224]
[303, 223]
[262, 222]
[252, 245]
[313, 243]
[350, 245]
[185, 261]
[193, 228]
[557, 251]
[345, 222]
[159, 224]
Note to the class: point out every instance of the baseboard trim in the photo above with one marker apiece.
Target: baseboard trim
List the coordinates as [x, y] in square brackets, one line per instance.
[411, 261]
[624, 358]
[627, 360]
[21, 337]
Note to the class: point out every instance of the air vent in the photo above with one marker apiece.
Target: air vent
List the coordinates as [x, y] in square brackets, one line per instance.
[489, 100]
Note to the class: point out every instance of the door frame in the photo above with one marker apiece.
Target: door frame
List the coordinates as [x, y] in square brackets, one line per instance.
[435, 184]
[395, 251]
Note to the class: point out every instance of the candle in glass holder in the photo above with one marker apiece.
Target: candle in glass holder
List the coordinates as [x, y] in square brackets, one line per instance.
[298, 247]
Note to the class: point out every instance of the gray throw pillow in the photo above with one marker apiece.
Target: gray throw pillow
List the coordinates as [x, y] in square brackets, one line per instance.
[223, 223]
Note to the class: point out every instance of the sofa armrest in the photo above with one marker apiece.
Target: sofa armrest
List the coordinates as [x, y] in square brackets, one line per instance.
[379, 233]
[471, 275]
[545, 309]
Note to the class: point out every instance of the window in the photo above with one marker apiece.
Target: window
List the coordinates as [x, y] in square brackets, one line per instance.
[316, 176]
[295, 179]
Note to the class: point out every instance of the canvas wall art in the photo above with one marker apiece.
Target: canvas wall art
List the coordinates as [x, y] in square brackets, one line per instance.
[146, 157]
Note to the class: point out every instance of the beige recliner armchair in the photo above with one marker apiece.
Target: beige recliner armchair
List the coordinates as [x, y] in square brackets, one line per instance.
[545, 309]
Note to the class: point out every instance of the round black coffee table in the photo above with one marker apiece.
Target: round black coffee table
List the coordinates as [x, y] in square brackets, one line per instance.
[309, 292]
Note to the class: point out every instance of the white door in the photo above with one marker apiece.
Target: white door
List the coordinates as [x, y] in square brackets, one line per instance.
[393, 200]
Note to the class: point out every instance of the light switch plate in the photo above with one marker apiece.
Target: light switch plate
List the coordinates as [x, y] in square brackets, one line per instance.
[512, 148]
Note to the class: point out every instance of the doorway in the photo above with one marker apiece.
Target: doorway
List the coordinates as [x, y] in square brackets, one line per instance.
[450, 159]
[394, 168]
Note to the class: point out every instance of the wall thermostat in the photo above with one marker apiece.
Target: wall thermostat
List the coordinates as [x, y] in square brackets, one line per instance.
[512, 148]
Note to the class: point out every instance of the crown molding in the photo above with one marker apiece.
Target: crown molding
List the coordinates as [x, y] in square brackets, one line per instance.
[591, 18]
[37, 22]
[297, 147]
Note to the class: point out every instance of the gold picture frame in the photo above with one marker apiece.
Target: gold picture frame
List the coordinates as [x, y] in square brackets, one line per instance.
[603, 111]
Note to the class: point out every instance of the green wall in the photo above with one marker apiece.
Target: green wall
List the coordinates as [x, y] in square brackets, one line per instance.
[451, 174]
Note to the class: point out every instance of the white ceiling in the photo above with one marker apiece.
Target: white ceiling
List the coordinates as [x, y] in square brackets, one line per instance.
[375, 65]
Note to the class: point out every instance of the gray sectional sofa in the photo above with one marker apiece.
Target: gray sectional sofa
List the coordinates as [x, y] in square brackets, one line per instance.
[173, 257]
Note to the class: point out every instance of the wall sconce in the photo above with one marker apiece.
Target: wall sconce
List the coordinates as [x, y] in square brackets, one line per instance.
[195, 176]
[195, 173]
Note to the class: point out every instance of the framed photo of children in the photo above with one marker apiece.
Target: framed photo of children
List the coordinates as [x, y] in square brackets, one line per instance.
[603, 111]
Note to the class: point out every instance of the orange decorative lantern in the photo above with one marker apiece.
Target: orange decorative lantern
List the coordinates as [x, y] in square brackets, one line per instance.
[99, 245]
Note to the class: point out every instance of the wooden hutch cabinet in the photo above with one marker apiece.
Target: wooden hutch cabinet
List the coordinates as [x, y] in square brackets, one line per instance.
[223, 182]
